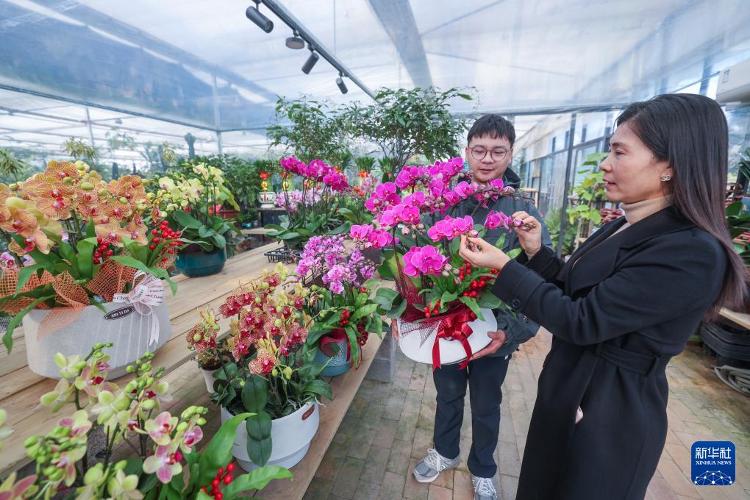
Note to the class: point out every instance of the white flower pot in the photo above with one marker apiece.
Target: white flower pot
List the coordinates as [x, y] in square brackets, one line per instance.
[209, 377]
[49, 331]
[416, 341]
[290, 437]
[267, 199]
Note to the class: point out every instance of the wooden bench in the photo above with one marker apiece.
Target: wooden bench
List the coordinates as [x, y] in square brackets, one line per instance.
[20, 388]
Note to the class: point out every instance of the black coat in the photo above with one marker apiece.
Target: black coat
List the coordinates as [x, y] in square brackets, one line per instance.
[619, 309]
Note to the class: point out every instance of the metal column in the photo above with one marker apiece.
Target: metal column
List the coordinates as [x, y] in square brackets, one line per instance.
[568, 168]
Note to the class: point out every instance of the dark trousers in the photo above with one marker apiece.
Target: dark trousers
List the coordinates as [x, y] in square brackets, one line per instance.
[485, 377]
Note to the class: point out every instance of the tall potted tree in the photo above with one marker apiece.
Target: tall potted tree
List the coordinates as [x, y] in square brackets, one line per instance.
[404, 122]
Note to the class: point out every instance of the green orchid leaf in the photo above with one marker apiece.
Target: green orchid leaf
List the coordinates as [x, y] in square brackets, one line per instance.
[255, 480]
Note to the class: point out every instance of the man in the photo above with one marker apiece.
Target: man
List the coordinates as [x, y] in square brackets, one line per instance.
[489, 152]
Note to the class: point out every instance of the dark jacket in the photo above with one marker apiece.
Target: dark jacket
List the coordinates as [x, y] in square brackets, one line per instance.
[619, 309]
[517, 327]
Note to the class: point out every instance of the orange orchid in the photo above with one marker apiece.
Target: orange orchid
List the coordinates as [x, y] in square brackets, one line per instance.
[52, 198]
[25, 224]
[129, 187]
[118, 209]
[87, 204]
[113, 231]
[21, 222]
[137, 232]
[60, 170]
[5, 193]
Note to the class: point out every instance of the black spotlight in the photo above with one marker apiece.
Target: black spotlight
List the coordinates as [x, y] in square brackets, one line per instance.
[253, 13]
[341, 84]
[295, 42]
[308, 66]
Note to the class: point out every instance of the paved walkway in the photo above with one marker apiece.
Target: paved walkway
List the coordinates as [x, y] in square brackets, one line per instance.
[389, 427]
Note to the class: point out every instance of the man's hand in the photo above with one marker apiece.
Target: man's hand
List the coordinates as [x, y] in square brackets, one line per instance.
[498, 339]
[394, 329]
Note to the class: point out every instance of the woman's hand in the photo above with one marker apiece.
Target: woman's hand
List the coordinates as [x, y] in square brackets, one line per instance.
[529, 234]
[479, 253]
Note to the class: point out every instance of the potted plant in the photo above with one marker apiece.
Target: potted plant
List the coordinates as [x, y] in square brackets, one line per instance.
[343, 312]
[364, 165]
[437, 295]
[209, 350]
[243, 179]
[270, 375]
[187, 197]
[589, 197]
[313, 211]
[87, 269]
[404, 122]
[11, 168]
[75, 459]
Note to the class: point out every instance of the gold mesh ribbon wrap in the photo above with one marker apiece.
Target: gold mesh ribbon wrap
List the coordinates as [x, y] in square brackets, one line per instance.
[70, 297]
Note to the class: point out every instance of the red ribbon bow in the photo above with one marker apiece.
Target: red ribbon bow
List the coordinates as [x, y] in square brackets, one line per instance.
[454, 326]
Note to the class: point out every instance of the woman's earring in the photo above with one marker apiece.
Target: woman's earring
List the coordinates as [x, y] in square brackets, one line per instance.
[666, 178]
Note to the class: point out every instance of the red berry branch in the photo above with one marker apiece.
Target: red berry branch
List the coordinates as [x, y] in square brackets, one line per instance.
[223, 476]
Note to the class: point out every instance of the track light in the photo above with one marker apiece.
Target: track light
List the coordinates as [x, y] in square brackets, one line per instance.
[308, 66]
[295, 41]
[341, 84]
[253, 13]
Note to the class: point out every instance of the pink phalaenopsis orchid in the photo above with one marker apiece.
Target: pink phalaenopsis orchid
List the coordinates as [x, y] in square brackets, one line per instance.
[370, 237]
[164, 463]
[450, 228]
[191, 438]
[160, 429]
[424, 260]
[499, 219]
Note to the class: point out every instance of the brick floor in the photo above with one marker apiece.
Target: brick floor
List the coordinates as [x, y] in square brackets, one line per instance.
[389, 426]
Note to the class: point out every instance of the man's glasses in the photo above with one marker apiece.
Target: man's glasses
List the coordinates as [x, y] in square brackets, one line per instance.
[479, 153]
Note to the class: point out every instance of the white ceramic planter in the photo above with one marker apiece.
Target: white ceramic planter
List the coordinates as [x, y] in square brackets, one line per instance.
[417, 343]
[290, 437]
[209, 377]
[72, 333]
[267, 199]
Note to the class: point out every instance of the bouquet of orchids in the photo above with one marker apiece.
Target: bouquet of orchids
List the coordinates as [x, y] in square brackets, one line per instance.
[76, 240]
[271, 375]
[166, 463]
[188, 198]
[313, 209]
[414, 225]
[340, 301]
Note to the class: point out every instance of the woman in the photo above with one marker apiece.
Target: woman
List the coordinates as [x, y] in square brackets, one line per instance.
[625, 302]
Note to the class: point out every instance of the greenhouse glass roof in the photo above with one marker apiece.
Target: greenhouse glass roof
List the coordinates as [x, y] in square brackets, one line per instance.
[157, 70]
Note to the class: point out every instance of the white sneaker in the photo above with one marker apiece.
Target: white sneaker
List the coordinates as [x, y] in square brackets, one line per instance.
[428, 469]
[484, 488]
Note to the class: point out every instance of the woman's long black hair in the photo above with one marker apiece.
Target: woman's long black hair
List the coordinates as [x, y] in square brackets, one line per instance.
[690, 132]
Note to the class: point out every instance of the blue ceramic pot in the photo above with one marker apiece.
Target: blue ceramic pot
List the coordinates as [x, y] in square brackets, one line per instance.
[338, 364]
[193, 263]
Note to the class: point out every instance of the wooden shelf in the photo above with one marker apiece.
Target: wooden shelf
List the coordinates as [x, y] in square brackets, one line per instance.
[20, 388]
[331, 414]
[739, 318]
